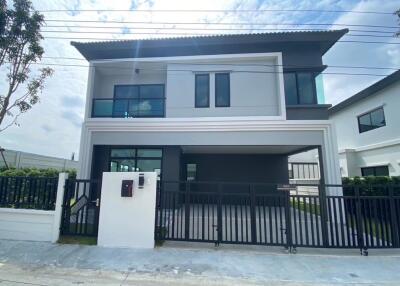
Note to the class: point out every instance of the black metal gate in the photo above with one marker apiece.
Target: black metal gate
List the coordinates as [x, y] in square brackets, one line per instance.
[264, 214]
[80, 215]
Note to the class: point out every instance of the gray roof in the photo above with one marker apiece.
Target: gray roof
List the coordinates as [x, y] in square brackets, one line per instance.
[210, 44]
[369, 91]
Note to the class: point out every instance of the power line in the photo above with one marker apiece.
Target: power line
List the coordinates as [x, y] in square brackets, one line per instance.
[255, 65]
[222, 23]
[191, 71]
[201, 35]
[178, 33]
[212, 29]
[217, 11]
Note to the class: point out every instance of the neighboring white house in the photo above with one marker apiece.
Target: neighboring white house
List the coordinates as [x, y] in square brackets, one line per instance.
[18, 159]
[368, 130]
[209, 108]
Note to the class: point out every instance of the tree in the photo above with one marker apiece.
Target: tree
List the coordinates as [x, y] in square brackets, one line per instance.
[20, 48]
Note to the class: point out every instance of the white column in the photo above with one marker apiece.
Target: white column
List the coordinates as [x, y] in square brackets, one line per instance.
[62, 177]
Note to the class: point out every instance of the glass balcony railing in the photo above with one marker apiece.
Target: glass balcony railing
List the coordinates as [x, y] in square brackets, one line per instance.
[128, 108]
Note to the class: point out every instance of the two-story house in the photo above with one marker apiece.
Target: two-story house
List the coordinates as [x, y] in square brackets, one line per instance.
[210, 108]
[368, 130]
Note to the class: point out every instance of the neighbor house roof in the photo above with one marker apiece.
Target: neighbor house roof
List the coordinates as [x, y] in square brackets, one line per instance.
[211, 44]
[369, 91]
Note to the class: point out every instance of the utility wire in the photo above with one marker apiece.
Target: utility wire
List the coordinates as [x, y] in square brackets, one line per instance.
[199, 35]
[222, 23]
[193, 71]
[213, 29]
[179, 33]
[217, 11]
[254, 65]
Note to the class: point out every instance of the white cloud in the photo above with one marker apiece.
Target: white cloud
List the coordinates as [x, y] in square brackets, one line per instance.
[52, 127]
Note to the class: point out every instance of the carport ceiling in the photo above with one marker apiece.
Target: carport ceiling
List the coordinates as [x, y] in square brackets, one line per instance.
[275, 149]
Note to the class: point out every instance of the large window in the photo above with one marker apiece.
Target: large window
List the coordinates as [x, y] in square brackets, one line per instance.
[300, 88]
[375, 171]
[126, 159]
[222, 90]
[371, 120]
[202, 90]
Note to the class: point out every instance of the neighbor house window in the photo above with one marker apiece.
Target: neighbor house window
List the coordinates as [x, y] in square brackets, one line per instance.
[222, 90]
[300, 88]
[375, 171]
[202, 90]
[371, 120]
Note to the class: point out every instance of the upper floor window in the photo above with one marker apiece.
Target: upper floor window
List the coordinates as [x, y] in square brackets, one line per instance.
[146, 100]
[375, 171]
[300, 88]
[222, 90]
[371, 120]
[202, 90]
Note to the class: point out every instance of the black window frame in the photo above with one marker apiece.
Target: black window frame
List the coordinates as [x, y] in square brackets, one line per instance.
[216, 89]
[369, 114]
[374, 168]
[196, 105]
[314, 87]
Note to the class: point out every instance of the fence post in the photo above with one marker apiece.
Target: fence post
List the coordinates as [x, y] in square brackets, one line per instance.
[324, 214]
[288, 220]
[187, 210]
[393, 218]
[253, 215]
[360, 233]
[62, 177]
[219, 214]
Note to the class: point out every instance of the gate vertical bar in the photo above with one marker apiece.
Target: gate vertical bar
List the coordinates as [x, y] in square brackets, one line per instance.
[187, 210]
[360, 234]
[288, 220]
[253, 215]
[393, 219]
[324, 214]
[219, 214]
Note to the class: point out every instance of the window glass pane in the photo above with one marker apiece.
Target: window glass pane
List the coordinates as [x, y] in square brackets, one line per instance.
[120, 108]
[126, 91]
[133, 108]
[364, 122]
[202, 90]
[306, 88]
[149, 165]
[191, 172]
[290, 88]
[154, 153]
[151, 91]
[151, 107]
[122, 165]
[378, 118]
[222, 90]
[382, 171]
[102, 107]
[367, 172]
[122, 153]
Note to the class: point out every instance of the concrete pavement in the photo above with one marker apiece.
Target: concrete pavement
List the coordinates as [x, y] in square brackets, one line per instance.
[34, 263]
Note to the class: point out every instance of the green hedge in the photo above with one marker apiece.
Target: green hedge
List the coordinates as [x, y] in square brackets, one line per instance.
[34, 172]
[372, 186]
[371, 180]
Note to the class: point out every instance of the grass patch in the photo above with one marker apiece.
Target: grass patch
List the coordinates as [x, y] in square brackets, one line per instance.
[84, 240]
[306, 207]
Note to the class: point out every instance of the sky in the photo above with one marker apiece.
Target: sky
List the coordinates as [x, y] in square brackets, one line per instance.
[53, 126]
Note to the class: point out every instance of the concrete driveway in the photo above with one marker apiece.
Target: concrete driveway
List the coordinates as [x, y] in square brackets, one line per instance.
[34, 263]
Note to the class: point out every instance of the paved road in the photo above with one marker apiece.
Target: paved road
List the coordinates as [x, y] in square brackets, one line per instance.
[33, 263]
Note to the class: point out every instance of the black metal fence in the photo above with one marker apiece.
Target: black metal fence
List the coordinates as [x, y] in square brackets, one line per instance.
[81, 204]
[266, 214]
[28, 192]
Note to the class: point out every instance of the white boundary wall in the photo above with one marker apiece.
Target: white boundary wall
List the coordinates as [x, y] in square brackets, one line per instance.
[127, 221]
[35, 225]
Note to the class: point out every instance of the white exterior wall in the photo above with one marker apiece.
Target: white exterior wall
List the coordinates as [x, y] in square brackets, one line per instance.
[376, 147]
[19, 159]
[33, 225]
[127, 221]
[251, 94]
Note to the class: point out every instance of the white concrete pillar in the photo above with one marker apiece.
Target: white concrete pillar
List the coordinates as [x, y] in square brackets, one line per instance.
[62, 177]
